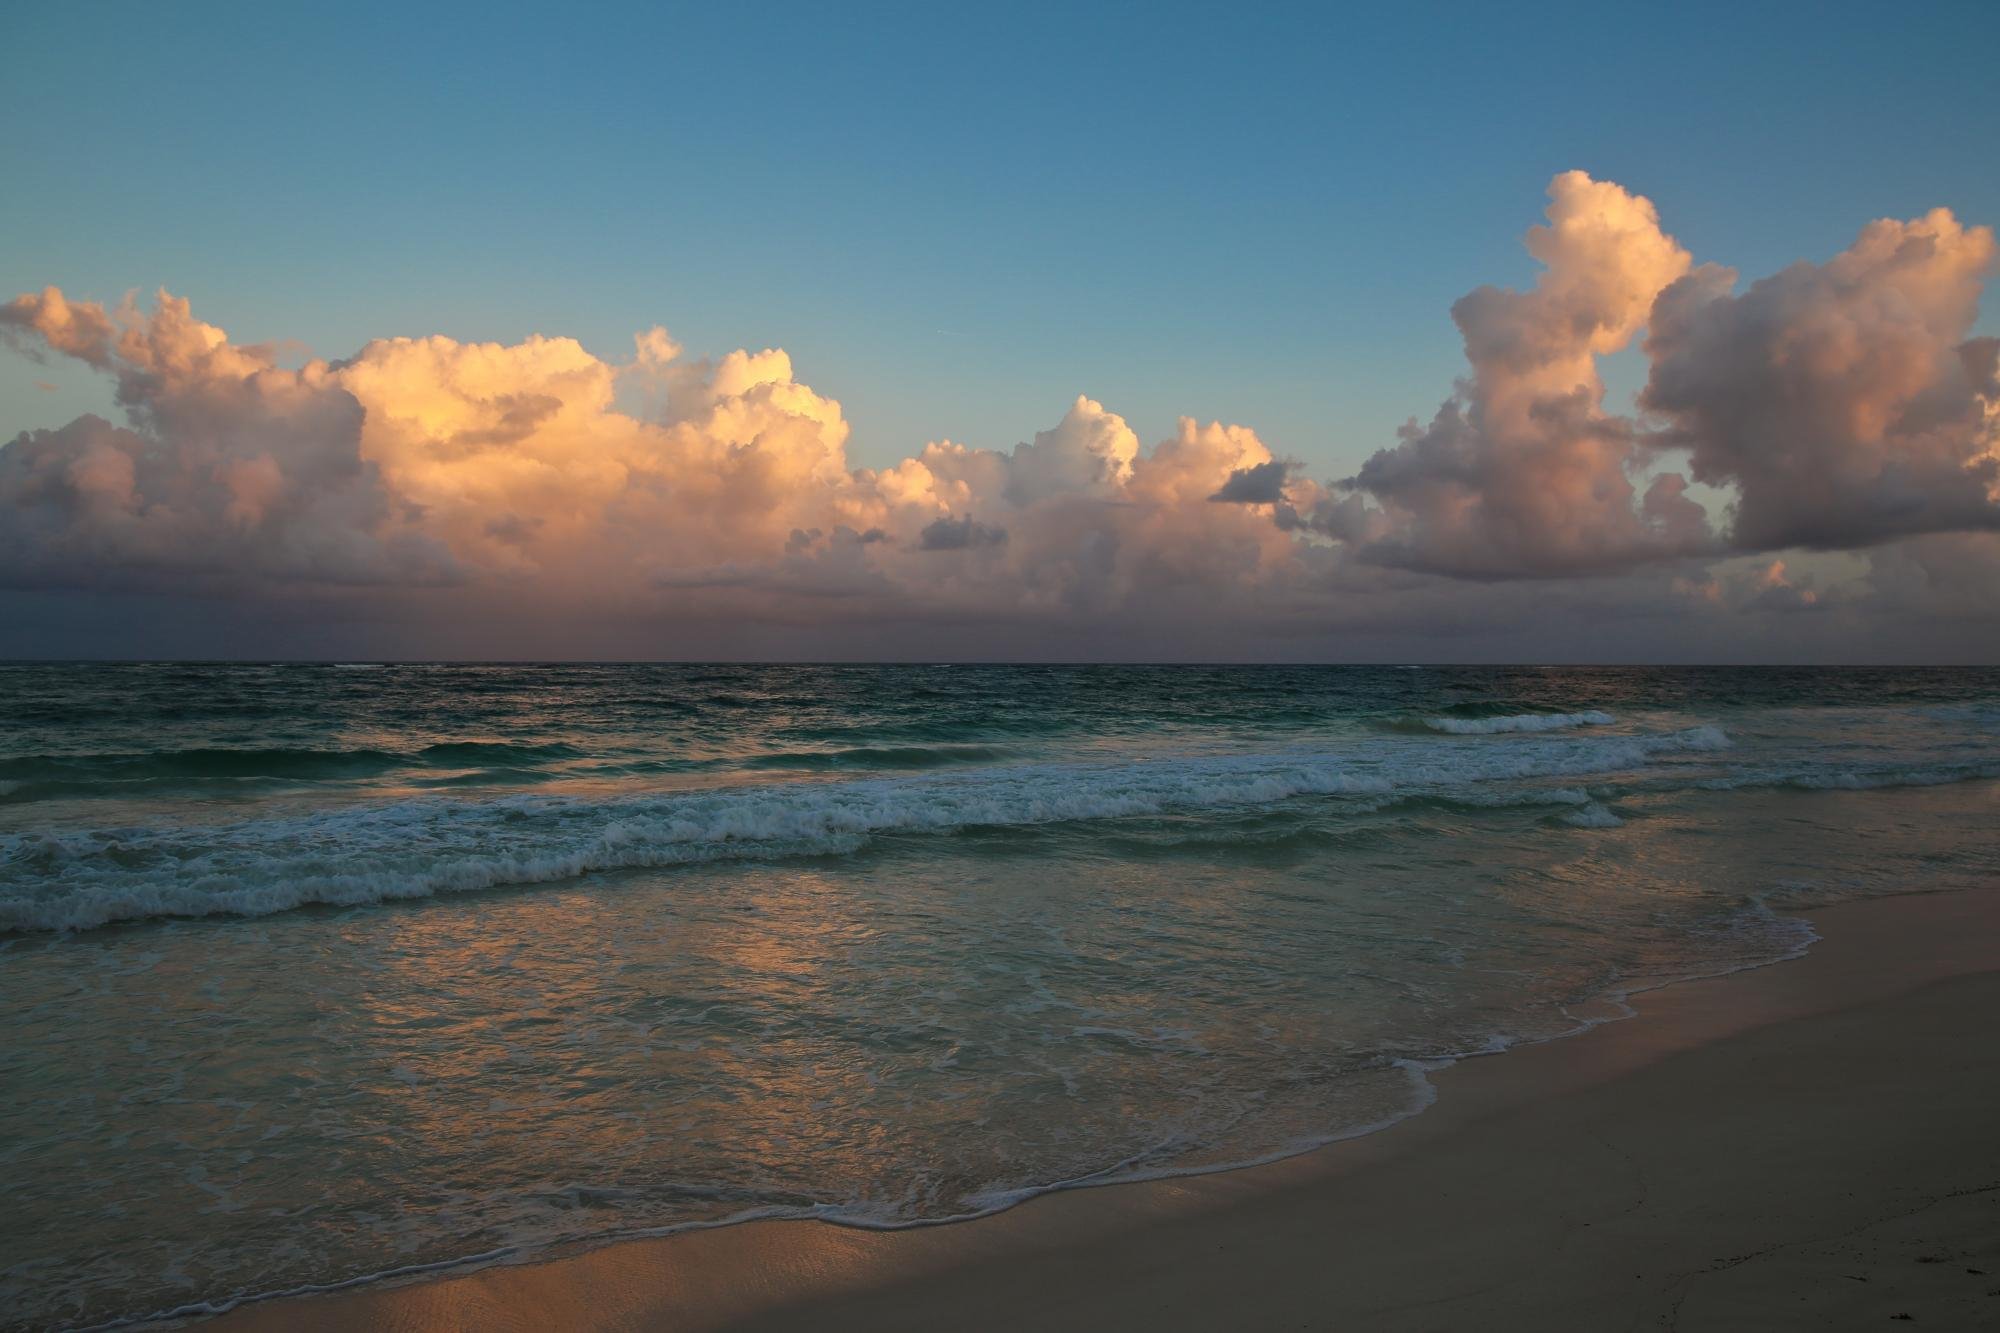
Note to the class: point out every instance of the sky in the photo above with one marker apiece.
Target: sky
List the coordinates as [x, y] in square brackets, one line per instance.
[1107, 332]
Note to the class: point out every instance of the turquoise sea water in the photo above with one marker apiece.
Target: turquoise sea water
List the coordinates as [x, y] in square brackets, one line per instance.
[311, 974]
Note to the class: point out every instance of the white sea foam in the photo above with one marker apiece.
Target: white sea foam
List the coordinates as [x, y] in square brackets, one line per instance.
[414, 849]
[1493, 726]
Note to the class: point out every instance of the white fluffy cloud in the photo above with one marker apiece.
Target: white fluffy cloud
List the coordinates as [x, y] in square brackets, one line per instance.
[426, 460]
[1833, 406]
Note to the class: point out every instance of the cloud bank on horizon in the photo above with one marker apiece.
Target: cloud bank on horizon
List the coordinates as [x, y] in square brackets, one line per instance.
[1837, 406]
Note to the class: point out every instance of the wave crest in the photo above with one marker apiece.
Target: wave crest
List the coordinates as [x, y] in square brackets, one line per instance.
[414, 849]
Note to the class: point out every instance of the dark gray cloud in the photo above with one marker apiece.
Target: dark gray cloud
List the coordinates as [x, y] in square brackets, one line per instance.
[960, 534]
[1263, 484]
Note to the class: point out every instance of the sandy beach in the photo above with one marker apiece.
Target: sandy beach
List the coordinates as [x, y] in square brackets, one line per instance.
[1806, 1145]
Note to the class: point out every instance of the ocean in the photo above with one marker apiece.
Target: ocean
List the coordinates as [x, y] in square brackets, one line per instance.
[317, 974]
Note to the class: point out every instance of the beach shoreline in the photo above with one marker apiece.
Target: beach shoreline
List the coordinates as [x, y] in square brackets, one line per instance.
[1710, 1162]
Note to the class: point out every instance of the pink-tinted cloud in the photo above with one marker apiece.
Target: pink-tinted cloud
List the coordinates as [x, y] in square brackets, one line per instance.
[230, 468]
[1841, 401]
[425, 459]
[1522, 472]
[1832, 406]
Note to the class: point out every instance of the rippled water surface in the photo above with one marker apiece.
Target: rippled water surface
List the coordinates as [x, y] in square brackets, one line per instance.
[310, 973]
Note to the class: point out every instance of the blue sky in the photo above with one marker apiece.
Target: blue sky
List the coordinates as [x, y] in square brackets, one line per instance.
[955, 220]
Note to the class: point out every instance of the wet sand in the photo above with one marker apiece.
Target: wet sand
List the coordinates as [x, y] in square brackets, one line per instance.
[1814, 1144]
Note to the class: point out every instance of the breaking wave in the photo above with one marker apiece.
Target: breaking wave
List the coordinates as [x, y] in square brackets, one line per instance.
[415, 849]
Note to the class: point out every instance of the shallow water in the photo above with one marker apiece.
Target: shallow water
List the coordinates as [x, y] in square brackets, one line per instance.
[311, 973]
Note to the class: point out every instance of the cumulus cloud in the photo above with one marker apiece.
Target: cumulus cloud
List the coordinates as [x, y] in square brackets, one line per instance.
[1522, 472]
[426, 460]
[229, 464]
[1841, 401]
[1832, 406]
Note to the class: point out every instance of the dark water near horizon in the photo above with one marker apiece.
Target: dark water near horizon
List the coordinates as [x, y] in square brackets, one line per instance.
[315, 972]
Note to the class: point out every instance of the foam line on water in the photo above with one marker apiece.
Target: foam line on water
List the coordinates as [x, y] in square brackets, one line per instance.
[415, 849]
